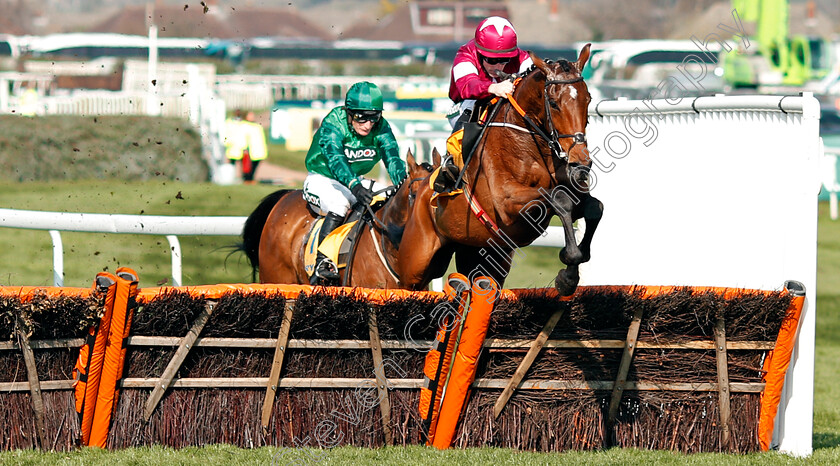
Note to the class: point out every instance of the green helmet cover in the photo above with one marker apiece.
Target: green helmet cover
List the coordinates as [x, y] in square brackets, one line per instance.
[364, 96]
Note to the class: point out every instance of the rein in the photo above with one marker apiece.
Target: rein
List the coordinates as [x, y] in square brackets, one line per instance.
[373, 222]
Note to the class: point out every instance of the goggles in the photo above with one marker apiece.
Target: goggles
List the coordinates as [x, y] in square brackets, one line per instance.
[495, 61]
[365, 116]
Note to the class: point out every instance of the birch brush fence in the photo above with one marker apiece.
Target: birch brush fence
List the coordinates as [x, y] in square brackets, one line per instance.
[678, 368]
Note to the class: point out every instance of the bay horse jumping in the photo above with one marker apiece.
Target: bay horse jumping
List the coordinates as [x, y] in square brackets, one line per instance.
[274, 235]
[530, 163]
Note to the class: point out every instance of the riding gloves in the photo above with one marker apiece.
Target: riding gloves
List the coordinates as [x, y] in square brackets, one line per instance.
[502, 89]
[362, 194]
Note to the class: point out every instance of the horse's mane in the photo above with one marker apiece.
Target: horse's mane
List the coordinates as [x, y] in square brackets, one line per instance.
[565, 65]
[425, 165]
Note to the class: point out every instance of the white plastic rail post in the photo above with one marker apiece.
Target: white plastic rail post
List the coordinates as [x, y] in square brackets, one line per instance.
[58, 258]
[175, 247]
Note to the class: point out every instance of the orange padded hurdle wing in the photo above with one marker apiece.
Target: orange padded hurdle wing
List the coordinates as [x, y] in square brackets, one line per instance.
[438, 361]
[114, 361]
[88, 369]
[776, 365]
[462, 373]
[131, 276]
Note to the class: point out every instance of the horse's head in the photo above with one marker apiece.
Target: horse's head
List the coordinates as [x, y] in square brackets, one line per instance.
[566, 101]
[398, 208]
[418, 172]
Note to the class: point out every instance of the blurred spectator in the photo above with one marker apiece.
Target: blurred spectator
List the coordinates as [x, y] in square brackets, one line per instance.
[28, 103]
[235, 137]
[255, 148]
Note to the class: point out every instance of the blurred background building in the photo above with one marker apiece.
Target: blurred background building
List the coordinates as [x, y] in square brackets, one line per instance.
[160, 57]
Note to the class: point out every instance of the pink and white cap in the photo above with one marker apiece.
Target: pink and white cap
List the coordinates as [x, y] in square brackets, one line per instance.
[495, 37]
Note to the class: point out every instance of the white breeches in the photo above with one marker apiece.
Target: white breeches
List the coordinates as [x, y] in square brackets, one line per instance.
[458, 109]
[330, 196]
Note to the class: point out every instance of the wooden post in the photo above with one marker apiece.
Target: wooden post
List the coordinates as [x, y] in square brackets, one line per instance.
[381, 380]
[175, 363]
[277, 365]
[723, 380]
[535, 349]
[34, 385]
[624, 365]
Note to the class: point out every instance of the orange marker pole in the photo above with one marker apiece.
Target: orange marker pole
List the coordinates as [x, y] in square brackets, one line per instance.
[114, 361]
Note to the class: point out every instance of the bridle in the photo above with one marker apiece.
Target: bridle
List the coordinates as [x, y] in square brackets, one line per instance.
[551, 136]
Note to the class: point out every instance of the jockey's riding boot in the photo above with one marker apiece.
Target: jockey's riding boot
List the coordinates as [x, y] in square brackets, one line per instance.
[326, 272]
[447, 176]
[464, 118]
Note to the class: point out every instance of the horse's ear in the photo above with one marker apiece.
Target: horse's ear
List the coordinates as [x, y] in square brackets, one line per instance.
[583, 57]
[539, 63]
[435, 157]
[409, 160]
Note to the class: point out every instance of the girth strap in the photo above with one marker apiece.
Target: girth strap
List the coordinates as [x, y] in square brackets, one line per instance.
[480, 213]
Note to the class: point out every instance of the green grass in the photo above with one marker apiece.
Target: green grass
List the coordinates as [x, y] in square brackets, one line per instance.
[419, 455]
[291, 159]
[827, 369]
[27, 260]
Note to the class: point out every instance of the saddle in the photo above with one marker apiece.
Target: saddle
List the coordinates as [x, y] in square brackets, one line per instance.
[339, 244]
[446, 179]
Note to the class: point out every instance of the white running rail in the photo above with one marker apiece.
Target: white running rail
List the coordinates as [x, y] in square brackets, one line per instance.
[169, 226]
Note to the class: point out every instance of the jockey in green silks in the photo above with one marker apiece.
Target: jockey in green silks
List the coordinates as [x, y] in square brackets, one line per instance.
[352, 139]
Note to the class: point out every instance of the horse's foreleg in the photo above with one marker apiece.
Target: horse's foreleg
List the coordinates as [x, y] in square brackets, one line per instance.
[424, 266]
[569, 210]
[564, 206]
[422, 256]
[567, 279]
[591, 210]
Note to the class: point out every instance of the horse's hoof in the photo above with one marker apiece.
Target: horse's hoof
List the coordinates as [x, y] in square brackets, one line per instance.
[566, 282]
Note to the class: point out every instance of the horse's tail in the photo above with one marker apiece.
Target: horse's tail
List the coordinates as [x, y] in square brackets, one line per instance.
[253, 228]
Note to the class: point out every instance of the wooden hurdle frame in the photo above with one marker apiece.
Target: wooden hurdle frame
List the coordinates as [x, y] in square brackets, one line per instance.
[282, 344]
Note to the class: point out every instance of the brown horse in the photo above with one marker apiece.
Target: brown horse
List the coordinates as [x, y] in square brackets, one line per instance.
[526, 167]
[275, 233]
